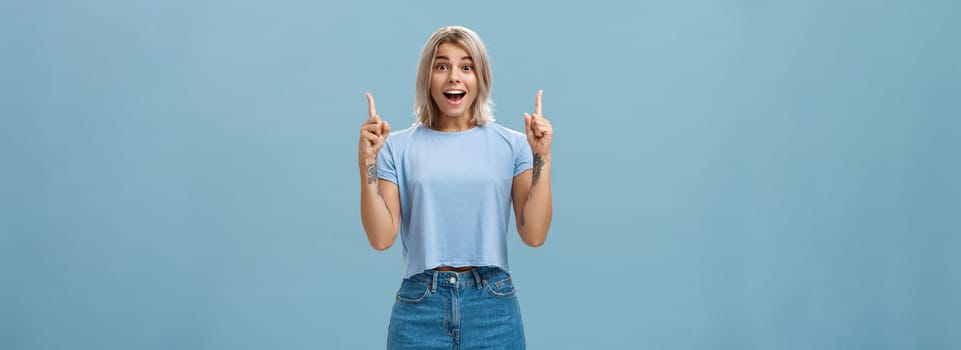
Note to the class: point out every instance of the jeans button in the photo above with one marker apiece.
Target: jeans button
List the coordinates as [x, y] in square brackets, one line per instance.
[453, 279]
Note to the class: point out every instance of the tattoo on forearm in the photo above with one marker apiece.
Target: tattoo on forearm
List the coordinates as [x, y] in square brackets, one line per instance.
[538, 166]
[371, 173]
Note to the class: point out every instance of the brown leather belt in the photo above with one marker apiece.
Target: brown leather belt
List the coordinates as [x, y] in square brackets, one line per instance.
[454, 269]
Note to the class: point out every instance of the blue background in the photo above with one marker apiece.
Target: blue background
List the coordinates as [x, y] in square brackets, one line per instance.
[728, 174]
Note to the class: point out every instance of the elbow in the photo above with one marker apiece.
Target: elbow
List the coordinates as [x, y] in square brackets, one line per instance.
[381, 242]
[380, 239]
[381, 246]
[535, 243]
[534, 238]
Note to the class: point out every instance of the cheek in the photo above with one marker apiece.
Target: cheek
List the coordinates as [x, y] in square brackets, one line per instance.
[474, 88]
[438, 79]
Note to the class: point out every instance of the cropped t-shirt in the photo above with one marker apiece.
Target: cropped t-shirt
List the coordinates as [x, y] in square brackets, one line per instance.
[455, 193]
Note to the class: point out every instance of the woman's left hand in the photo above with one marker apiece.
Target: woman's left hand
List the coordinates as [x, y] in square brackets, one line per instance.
[539, 129]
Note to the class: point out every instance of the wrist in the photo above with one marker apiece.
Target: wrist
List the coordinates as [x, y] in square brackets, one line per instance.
[363, 162]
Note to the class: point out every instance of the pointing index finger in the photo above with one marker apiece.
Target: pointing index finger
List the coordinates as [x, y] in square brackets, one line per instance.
[371, 108]
[537, 103]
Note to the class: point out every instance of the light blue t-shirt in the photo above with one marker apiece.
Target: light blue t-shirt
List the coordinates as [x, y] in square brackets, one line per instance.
[455, 193]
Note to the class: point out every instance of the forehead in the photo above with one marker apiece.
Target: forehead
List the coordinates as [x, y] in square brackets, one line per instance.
[452, 51]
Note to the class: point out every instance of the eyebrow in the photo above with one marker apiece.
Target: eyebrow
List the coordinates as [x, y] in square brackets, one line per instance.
[447, 58]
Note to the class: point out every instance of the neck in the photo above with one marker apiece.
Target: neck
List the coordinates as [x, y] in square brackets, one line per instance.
[453, 124]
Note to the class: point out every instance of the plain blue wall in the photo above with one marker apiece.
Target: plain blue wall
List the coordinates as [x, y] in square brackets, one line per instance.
[738, 174]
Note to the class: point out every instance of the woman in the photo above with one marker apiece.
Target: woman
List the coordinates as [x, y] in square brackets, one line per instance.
[448, 184]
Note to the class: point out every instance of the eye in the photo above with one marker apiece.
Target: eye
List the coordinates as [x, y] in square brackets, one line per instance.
[441, 67]
[468, 68]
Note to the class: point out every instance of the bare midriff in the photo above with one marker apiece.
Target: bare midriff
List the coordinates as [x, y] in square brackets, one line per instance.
[454, 269]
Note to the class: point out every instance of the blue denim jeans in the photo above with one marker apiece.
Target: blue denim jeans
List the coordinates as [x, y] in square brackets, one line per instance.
[474, 309]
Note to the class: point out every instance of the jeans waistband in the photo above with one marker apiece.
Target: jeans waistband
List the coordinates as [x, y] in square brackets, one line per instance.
[473, 278]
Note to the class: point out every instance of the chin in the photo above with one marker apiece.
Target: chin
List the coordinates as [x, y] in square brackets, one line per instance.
[450, 113]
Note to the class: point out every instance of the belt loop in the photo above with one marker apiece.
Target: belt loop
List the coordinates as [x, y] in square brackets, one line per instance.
[433, 282]
[477, 279]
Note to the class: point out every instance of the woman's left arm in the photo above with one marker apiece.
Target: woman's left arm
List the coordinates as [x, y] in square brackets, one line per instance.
[531, 189]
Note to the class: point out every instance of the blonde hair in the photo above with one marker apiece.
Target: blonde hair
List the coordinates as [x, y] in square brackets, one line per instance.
[425, 108]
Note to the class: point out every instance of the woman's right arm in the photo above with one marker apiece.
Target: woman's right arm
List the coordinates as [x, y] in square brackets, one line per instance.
[379, 200]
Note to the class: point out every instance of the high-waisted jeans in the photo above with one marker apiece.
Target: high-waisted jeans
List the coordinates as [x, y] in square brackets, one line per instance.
[475, 309]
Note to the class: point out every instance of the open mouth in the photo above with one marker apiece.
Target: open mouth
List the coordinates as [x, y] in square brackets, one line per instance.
[455, 96]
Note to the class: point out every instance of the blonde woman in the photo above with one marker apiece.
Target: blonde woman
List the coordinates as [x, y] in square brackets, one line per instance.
[447, 184]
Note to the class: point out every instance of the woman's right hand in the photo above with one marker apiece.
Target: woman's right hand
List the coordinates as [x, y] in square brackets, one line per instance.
[373, 134]
[379, 200]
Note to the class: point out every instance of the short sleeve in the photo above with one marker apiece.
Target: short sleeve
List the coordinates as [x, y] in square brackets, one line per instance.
[386, 168]
[523, 156]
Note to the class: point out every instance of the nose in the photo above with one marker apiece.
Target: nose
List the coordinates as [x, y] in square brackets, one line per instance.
[454, 76]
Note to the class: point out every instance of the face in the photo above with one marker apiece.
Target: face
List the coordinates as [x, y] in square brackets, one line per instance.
[453, 82]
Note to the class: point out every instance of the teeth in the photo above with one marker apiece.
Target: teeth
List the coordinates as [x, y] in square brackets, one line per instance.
[454, 92]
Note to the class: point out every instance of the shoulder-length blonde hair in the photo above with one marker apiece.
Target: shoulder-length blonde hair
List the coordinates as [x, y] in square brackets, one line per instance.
[425, 108]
